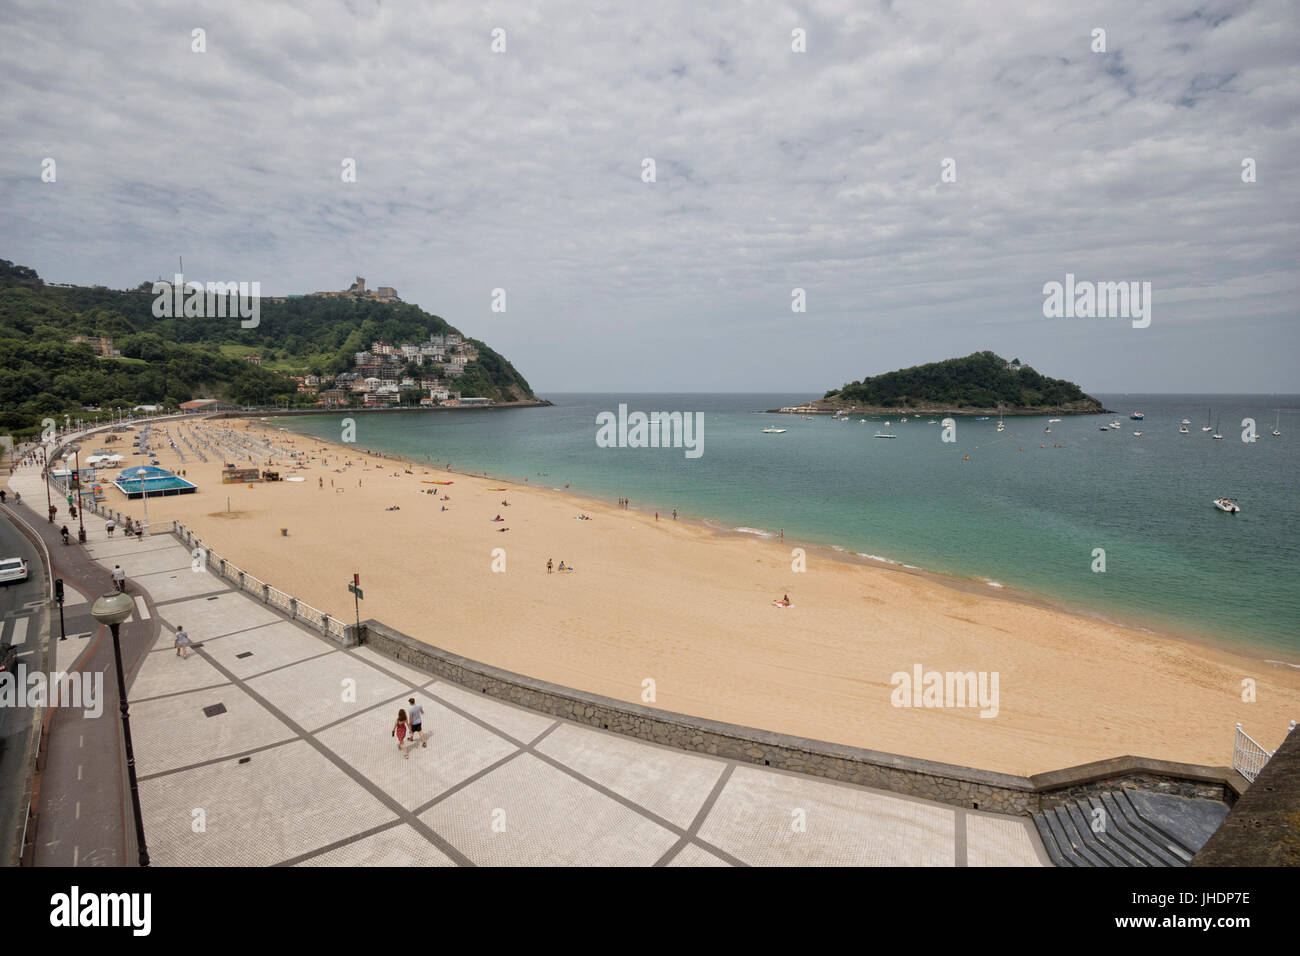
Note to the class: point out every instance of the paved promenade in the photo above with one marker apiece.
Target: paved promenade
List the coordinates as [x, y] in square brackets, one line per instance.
[270, 745]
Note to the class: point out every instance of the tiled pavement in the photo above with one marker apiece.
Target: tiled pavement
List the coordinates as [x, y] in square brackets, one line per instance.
[298, 768]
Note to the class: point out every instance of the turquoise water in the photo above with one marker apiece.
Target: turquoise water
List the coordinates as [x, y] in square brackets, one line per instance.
[1016, 514]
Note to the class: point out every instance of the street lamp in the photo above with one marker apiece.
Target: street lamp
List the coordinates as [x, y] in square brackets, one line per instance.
[113, 609]
[144, 494]
[81, 521]
[45, 473]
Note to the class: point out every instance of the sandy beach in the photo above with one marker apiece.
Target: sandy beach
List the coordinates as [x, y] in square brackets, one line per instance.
[692, 609]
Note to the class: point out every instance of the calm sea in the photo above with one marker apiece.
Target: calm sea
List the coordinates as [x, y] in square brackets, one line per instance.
[1013, 513]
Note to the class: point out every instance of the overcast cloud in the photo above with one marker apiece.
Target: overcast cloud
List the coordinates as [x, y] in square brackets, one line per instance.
[775, 169]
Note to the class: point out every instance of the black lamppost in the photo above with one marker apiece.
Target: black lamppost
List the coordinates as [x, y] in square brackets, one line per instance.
[144, 494]
[81, 521]
[45, 473]
[113, 609]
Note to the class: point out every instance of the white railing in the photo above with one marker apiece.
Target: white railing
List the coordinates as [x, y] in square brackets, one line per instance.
[282, 601]
[1248, 757]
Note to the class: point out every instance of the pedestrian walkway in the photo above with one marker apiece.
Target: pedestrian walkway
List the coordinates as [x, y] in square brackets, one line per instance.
[270, 745]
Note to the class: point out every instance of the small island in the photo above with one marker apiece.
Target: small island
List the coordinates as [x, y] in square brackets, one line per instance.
[979, 384]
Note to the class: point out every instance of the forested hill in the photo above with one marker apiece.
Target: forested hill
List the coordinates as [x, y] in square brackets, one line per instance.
[981, 382]
[165, 361]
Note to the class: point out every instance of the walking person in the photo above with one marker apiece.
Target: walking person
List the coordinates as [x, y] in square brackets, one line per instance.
[416, 714]
[182, 642]
[109, 525]
[64, 531]
[550, 567]
[119, 578]
[399, 731]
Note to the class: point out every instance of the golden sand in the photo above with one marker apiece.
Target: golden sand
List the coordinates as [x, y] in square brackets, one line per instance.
[691, 609]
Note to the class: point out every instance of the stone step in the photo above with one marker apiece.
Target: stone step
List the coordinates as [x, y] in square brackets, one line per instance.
[1119, 834]
[1135, 828]
[1153, 834]
[1190, 823]
[1049, 842]
[1099, 840]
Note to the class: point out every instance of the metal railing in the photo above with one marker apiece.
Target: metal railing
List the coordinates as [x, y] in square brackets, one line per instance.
[1248, 757]
[282, 601]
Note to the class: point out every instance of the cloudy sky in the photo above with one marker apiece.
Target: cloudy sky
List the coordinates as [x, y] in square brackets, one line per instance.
[774, 170]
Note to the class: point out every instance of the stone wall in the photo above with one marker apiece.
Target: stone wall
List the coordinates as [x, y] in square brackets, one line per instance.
[946, 783]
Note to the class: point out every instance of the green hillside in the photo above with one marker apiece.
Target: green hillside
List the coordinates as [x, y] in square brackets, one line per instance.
[979, 382]
[166, 361]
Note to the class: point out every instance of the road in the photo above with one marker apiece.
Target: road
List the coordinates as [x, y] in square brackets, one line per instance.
[82, 810]
[22, 623]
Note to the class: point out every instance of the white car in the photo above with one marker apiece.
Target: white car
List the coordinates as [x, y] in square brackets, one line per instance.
[13, 569]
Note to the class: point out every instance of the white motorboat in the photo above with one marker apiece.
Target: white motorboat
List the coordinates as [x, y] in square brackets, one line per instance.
[1102, 428]
[1227, 504]
[883, 435]
[773, 431]
[1116, 426]
[1052, 421]
[1186, 421]
[1276, 421]
[1182, 430]
[1000, 425]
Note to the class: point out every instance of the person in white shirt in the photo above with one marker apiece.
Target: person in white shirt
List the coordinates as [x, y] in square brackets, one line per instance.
[119, 577]
[415, 714]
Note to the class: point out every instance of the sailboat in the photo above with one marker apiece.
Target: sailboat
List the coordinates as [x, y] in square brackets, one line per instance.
[1206, 426]
[1216, 436]
[1276, 421]
[1000, 425]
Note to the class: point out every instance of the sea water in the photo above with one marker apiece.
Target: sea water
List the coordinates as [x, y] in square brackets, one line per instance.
[1008, 510]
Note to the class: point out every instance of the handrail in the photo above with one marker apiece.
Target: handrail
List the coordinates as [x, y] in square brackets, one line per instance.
[1248, 757]
[282, 601]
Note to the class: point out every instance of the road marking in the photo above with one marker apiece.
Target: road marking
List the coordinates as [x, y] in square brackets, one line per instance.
[77, 815]
[76, 852]
[20, 631]
[142, 609]
[78, 771]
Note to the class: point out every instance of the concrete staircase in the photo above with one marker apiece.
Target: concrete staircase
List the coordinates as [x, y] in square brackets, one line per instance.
[1128, 828]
